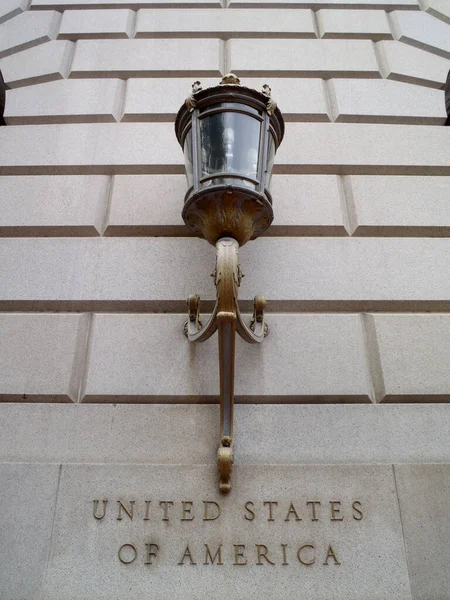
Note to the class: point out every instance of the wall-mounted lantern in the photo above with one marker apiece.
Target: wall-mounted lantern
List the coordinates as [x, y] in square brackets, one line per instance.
[229, 135]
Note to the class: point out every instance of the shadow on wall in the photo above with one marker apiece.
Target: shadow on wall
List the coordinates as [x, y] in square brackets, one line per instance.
[2, 99]
[447, 99]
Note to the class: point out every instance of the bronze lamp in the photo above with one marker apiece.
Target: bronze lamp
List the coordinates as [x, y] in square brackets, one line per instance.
[229, 134]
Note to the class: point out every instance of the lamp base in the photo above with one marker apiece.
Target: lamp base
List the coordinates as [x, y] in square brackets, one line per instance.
[228, 211]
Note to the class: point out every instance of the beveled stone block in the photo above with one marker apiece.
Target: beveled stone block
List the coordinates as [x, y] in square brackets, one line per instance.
[225, 24]
[423, 31]
[384, 149]
[438, 8]
[11, 8]
[145, 358]
[66, 101]
[132, 4]
[41, 356]
[353, 24]
[424, 496]
[28, 500]
[276, 434]
[28, 30]
[385, 102]
[89, 558]
[307, 205]
[308, 148]
[411, 355]
[303, 58]
[52, 205]
[92, 149]
[146, 205]
[159, 99]
[318, 4]
[146, 58]
[399, 206]
[96, 24]
[294, 273]
[46, 62]
[404, 63]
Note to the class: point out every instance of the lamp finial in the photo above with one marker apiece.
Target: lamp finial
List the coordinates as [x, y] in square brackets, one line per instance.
[230, 79]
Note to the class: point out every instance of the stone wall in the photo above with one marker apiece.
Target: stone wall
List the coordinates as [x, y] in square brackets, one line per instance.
[345, 404]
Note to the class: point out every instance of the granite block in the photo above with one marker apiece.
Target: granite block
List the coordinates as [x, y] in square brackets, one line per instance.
[385, 101]
[159, 99]
[304, 205]
[12, 8]
[67, 101]
[27, 30]
[50, 205]
[422, 31]
[294, 273]
[42, 356]
[28, 499]
[424, 497]
[303, 58]
[308, 148]
[46, 62]
[250, 23]
[353, 24]
[145, 358]
[413, 355]
[264, 434]
[399, 206]
[402, 62]
[96, 24]
[147, 58]
[85, 550]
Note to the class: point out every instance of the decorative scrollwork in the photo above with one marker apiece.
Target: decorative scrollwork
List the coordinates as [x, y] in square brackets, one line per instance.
[190, 100]
[227, 319]
[271, 104]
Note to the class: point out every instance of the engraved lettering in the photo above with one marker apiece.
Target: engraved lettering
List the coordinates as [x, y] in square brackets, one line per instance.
[335, 510]
[270, 504]
[206, 516]
[262, 554]
[249, 510]
[331, 554]
[212, 558]
[356, 509]
[187, 554]
[187, 507]
[238, 553]
[292, 511]
[147, 508]
[133, 554]
[285, 562]
[96, 516]
[129, 512]
[166, 504]
[312, 560]
[151, 552]
[313, 503]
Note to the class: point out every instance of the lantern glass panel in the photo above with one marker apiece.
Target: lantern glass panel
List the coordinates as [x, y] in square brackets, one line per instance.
[229, 143]
[188, 158]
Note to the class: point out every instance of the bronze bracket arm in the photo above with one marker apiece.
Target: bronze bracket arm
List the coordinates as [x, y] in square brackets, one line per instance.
[227, 319]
